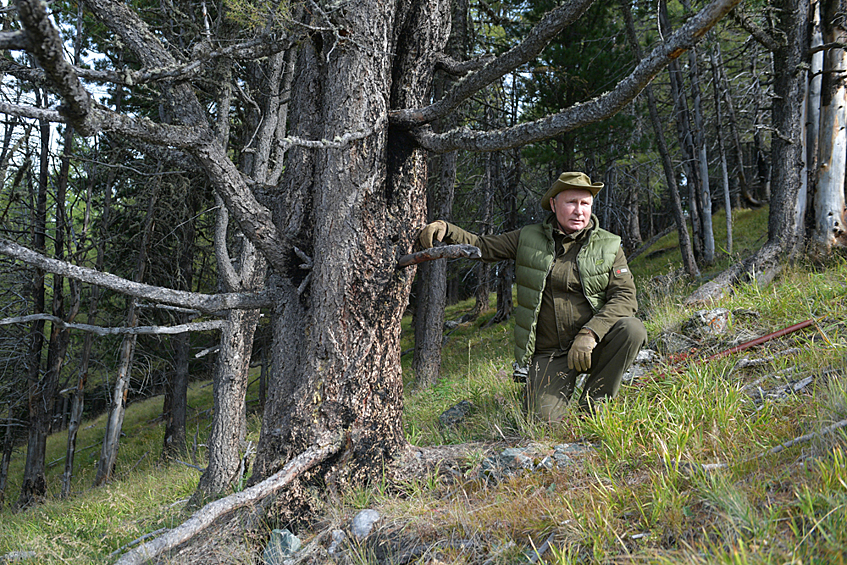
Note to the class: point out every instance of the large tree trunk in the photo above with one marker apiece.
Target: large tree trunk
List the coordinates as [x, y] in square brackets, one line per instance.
[358, 209]
[830, 227]
[785, 221]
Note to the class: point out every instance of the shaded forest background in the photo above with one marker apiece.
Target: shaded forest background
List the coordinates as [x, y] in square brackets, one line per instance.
[705, 135]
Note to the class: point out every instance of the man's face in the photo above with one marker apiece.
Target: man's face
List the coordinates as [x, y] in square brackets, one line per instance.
[572, 208]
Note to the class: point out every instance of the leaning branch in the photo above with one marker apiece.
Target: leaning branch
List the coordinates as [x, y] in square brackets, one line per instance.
[100, 330]
[23, 111]
[13, 40]
[550, 25]
[207, 515]
[46, 46]
[770, 42]
[590, 112]
[458, 251]
[206, 303]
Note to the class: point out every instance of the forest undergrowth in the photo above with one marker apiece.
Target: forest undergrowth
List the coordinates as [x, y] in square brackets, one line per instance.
[740, 459]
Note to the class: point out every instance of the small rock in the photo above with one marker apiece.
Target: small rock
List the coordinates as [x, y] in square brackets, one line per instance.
[338, 538]
[705, 323]
[646, 356]
[14, 556]
[282, 544]
[670, 342]
[634, 372]
[363, 523]
[456, 414]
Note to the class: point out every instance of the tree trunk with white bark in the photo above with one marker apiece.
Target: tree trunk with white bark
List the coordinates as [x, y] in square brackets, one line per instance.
[830, 209]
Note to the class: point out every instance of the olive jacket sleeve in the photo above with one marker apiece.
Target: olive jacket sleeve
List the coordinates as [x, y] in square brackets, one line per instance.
[621, 299]
[493, 247]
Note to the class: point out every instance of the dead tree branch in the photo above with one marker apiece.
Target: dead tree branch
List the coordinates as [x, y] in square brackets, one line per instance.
[555, 21]
[207, 515]
[203, 302]
[459, 251]
[581, 114]
[136, 330]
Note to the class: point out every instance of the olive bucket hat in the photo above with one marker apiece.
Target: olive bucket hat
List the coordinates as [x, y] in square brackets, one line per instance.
[570, 180]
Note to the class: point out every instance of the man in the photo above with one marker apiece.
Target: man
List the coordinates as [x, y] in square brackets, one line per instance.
[576, 298]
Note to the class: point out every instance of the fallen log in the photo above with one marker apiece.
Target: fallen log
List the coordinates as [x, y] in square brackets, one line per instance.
[207, 515]
[458, 251]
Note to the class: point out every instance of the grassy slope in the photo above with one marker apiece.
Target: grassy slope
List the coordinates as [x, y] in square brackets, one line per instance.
[632, 498]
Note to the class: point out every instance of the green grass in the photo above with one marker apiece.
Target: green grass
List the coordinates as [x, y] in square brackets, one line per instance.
[642, 494]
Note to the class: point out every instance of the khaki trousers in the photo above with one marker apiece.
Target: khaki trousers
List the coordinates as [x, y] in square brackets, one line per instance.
[550, 383]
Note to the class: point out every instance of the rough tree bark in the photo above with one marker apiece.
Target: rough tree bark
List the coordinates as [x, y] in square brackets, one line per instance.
[336, 356]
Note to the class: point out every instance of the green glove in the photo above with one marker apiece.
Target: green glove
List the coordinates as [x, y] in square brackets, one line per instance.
[434, 231]
[579, 357]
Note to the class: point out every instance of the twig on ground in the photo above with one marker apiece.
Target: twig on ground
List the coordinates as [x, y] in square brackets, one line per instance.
[779, 448]
[537, 553]
[201, 469]
[207, 515]
[136, 541]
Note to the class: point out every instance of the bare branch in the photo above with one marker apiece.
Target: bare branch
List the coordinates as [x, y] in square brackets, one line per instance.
[13, 40]
[553, 22]
[590, 112]
[202, 302]
[46, 46]
[136, 330]
[254, 219]
[204, 517]
[441, 252]
[231, 280]
[767, 40]
[461, 68]
[31, 112]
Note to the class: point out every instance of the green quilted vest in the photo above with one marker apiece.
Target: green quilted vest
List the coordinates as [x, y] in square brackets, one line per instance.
[532, 264]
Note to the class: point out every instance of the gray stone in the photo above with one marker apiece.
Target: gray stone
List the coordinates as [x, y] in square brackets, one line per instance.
[456, 414]
[706, 323]
[282, 544]
[338, 538]
[646, 356]
[634, 372]
[670, 342]
[363, 523]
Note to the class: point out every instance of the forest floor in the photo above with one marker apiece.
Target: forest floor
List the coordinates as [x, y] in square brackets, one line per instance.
[737, 459]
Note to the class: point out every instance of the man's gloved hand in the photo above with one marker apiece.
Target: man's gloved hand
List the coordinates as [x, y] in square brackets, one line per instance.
[434, 231]
[579, 357]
